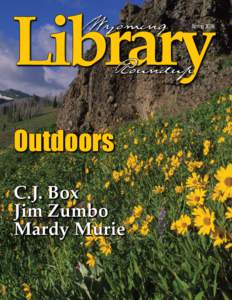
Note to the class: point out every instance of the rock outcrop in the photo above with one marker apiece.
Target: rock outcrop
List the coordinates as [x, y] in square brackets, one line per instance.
[98, 98]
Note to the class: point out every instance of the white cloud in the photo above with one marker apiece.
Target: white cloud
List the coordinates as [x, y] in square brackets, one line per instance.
[42, 43]
[59, 77]
[34, 80]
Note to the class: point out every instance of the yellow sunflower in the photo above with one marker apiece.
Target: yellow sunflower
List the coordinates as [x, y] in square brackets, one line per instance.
[193, 165]
[137, 211]
[221, 140]
[196, 197]
[89, 241]
[194, 181]
[204, 220]
[91, 260]
[133, 229]
[129, 221]
[144, 230]
[149, 218]
[105, 248]
[181, 225]
[179, 189]
[224, 177]
[228, 246]
[229, 213]
[218, 195]
[7, 194]
[219, 237]
[159, 189]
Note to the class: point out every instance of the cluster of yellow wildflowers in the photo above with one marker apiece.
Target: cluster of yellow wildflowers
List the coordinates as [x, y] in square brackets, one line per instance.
[104, 247]
[117, 175]
[207, 145]
[228, 128]
[193, 165]
[27, 291]
[10, 206]
[133, 166]
[196, 181]
[162, 135]
[2, 206]
[172, 165]
[134, 223]
[78, 185]
[148, 163]
[176, 134]
[159, 159]
[204, 219]
[71, 203]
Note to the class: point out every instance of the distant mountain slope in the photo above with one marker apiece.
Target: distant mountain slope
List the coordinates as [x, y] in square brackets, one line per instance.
[15, 94]
[11, 94]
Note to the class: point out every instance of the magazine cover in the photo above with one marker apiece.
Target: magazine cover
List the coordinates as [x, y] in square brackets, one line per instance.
[115, 150]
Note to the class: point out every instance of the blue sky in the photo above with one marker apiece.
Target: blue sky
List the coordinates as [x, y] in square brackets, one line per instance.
[43, 80]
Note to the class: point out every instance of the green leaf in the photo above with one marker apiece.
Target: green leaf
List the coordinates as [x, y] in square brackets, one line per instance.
[225, 297]
[83, 270]
[85, 288]
[199, 296]
[215, 279]
[180, 285]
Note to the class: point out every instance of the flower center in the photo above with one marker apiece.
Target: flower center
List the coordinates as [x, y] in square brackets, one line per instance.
[184, 225]
[197, 198]
[221, 235]
[206, 221]
[228, 181]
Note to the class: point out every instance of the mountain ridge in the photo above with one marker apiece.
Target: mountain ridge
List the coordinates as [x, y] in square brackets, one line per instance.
[11, 94]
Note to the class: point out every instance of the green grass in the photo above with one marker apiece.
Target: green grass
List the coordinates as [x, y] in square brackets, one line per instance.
[159, 265]
[45, 119]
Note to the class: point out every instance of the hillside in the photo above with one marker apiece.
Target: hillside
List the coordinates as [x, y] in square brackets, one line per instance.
[14, 94]
[168, 182]
[9, 95]
[46, 118]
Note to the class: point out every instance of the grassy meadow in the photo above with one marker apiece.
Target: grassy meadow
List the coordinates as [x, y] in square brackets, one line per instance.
[46, 117]
[169, 182]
